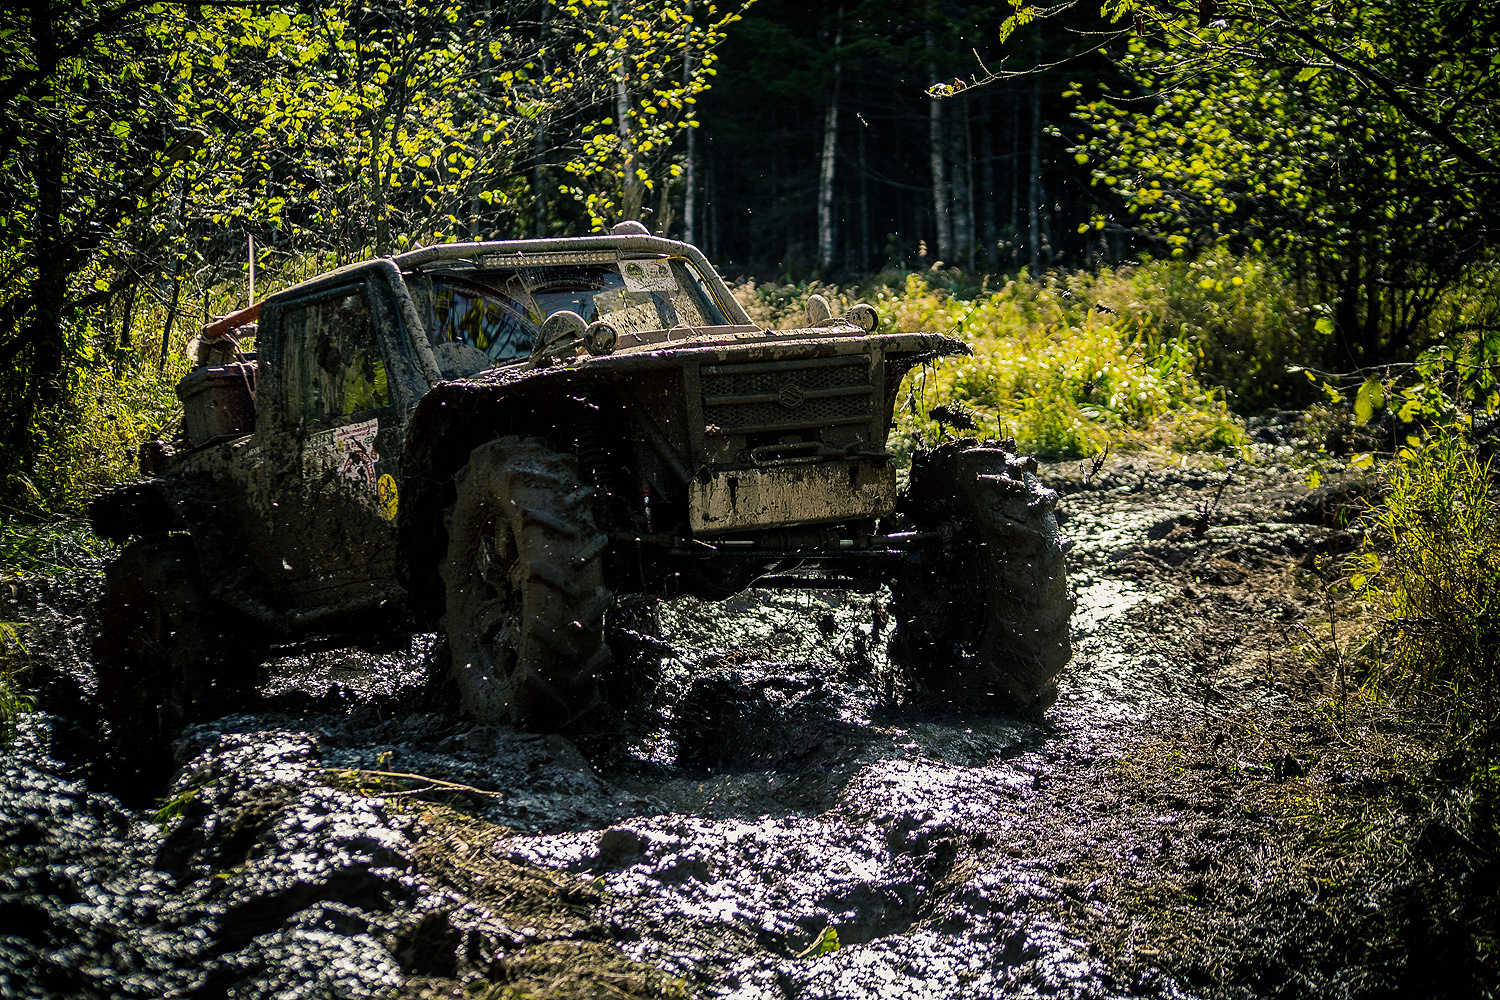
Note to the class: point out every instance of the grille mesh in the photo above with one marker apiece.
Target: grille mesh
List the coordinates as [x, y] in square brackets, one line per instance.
[753, 413]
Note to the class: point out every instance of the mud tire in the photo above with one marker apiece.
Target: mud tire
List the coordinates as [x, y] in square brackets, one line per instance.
[984, 619]
[524, 580]
[167, 655]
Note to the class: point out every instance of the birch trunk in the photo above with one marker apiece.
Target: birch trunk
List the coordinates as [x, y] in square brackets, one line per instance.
[825, 175]
[961, 182]
[941, 216]
[633, 193]
[1034, 192]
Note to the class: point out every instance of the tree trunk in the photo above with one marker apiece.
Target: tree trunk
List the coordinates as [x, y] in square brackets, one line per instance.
[825, 174]
[1034, 195]
[49, 288]
[539, 153]
[864, 202]
[986, 193]
[690, 169]
[377, 191]
[941, 217]
[1015, 175]
[633, 194]
[961, 160]
[538, 181]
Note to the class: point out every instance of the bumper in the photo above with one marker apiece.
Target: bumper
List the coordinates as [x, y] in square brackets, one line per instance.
[813, 493]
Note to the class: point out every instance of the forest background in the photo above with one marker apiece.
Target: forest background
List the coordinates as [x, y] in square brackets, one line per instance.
[1221, 195]
[1147, 220]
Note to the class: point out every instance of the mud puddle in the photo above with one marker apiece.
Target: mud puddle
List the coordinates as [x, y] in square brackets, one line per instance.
[784, 828]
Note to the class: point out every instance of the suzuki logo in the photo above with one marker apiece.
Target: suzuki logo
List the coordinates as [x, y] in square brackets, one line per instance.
[790, 396]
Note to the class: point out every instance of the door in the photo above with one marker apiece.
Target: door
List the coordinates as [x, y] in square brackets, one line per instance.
[331, 447]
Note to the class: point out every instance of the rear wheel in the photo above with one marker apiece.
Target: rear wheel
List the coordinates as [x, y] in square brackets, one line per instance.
[167, 655]
[985, 617]
[524, 581]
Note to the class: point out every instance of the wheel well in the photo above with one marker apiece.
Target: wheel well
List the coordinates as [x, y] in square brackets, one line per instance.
[451, 421]
[134, 509]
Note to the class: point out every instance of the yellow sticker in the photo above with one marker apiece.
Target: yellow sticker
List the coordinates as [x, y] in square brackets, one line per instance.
[385, 497]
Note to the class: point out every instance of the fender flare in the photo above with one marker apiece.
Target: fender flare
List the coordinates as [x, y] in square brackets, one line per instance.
[452, 420]
[155, 508]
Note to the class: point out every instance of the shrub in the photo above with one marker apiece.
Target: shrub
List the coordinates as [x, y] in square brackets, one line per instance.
[1048, 369]
[1432, 572]
[14, 700]
[1244, 321]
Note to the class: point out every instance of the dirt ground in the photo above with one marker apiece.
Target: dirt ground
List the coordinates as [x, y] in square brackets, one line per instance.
[1202, 814]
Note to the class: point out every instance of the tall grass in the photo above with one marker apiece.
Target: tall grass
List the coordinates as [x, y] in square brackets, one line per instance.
[121, 388]
[1049, 369]
[14, 701]
[1432, 575]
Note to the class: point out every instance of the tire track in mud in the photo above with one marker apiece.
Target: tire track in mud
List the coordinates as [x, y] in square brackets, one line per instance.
[951, 855]
[915, 862]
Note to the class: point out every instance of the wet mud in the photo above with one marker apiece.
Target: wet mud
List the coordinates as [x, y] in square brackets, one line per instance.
[781, 823]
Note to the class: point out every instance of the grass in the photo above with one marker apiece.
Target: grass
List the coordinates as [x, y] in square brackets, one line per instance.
[1426, 589]
[14, 665]
[566, 959]
[1061, 377]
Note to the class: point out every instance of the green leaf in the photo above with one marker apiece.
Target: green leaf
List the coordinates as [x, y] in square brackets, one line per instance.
[1371, 397]
[824, 943]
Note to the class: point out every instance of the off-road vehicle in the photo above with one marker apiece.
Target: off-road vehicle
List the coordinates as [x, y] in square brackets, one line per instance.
[520, 445]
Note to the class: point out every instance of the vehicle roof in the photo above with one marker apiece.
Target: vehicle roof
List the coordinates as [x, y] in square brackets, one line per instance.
[486, 252]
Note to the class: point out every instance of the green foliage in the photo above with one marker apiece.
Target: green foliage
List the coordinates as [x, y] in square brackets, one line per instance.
[827, 941]
[1451, 386]
[53, 548]
[1432, 571]
[658, 59]
[90, 440]
[173, 809]
[1313, 132]
[14, 665]
[1048, 369]
[1243, 318]
[152, 141]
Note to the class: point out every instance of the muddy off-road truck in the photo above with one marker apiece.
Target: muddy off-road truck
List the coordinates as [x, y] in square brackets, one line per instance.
[520, 446]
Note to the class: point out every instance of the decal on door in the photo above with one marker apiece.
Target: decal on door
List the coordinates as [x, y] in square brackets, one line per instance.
[350, 452]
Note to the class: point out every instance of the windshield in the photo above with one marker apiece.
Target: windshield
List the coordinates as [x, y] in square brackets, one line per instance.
[500, 309]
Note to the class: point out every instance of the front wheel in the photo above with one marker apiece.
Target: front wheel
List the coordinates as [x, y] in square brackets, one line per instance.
[525, 591]
[984, 618]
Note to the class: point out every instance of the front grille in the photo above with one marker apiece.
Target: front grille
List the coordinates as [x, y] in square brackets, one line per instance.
[787, 396]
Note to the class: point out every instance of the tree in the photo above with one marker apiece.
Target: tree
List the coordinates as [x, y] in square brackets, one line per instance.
[92, 169]
[659, 59]
[1331, 154]
[149, 140]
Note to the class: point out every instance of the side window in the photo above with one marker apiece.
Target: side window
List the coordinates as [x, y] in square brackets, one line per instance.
[333, 363]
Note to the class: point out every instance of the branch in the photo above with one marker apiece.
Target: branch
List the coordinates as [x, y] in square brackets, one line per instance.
[1373, 79]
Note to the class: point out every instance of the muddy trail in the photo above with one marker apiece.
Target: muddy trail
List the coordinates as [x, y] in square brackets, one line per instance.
[780, 824]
